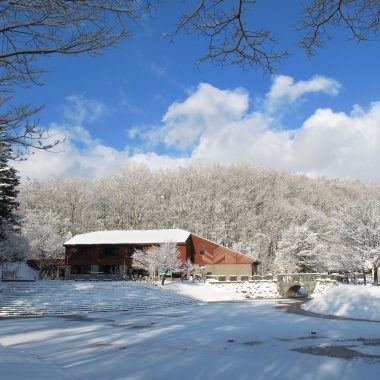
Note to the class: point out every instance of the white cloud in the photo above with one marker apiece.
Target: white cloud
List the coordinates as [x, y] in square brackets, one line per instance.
[81, 154]
[42, 164]
[78, 109]
[285, 90]
[216, 126]
[204, 110]
[328, 143]
[94, 160]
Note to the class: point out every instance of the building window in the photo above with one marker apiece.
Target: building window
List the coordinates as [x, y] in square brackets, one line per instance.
[81, 251]
[108, 269]
[202, 252]
[109, 251]
[80, 269]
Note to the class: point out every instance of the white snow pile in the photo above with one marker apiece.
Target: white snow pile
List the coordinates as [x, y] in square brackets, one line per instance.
[214, 291]
[322, 286]
[206, 292]
[255, 289]
[351, 301]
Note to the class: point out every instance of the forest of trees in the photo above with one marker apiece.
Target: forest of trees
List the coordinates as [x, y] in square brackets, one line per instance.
[288, 222]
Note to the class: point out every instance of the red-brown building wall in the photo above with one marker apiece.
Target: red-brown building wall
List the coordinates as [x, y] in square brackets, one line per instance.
[216, 254]
[123, 254]
[95, 256]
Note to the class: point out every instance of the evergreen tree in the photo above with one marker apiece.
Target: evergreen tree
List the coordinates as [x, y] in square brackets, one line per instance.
[9, 182]
[13, 246]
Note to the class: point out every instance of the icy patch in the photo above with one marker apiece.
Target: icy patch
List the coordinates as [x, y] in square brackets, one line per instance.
[336, 351]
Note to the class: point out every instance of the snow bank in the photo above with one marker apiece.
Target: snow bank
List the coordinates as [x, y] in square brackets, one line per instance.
[206, 292]
[226, 291]
[350, 301]
[323, 286]
[254, 289]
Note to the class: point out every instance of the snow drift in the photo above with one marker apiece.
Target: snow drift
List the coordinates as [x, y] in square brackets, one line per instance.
[349, 301]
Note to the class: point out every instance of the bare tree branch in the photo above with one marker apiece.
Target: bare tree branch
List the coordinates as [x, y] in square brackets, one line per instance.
[233, 38]
[360, 17]
[230, 38]
[29, 29]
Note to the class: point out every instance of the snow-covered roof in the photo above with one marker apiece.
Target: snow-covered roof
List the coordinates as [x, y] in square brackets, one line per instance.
[130, 237]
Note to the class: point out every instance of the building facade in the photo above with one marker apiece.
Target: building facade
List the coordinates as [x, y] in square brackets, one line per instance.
[109, 254]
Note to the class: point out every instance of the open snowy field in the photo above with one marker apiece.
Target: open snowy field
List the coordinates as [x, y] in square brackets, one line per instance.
[78, 297]
[222, 340]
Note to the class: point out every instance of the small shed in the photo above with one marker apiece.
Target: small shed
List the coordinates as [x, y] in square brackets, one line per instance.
[17, 271]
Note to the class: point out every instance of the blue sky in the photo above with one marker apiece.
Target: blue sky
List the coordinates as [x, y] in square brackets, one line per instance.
[146, 101]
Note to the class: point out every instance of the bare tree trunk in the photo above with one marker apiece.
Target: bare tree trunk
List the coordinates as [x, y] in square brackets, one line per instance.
[375, 276]
[164, 278]
[364, 278]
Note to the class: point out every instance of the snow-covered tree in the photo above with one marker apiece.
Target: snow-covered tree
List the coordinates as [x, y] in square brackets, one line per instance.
[360, 233]
[189, 268]
[9, 183]
[141, 260]
[299, 251]
[44, 233]
[13, 246]
[159, 259]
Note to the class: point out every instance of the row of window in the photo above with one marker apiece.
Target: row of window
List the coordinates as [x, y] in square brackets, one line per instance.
[86, 269]
[105, 251]
[109, 251]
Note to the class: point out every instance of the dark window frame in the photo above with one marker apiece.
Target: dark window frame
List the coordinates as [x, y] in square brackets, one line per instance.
[109, 251]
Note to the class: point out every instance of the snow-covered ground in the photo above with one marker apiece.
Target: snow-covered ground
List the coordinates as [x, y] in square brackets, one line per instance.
[240, 340]
[76, 297]
[207, 292]
[351, 301]
[250, 289]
